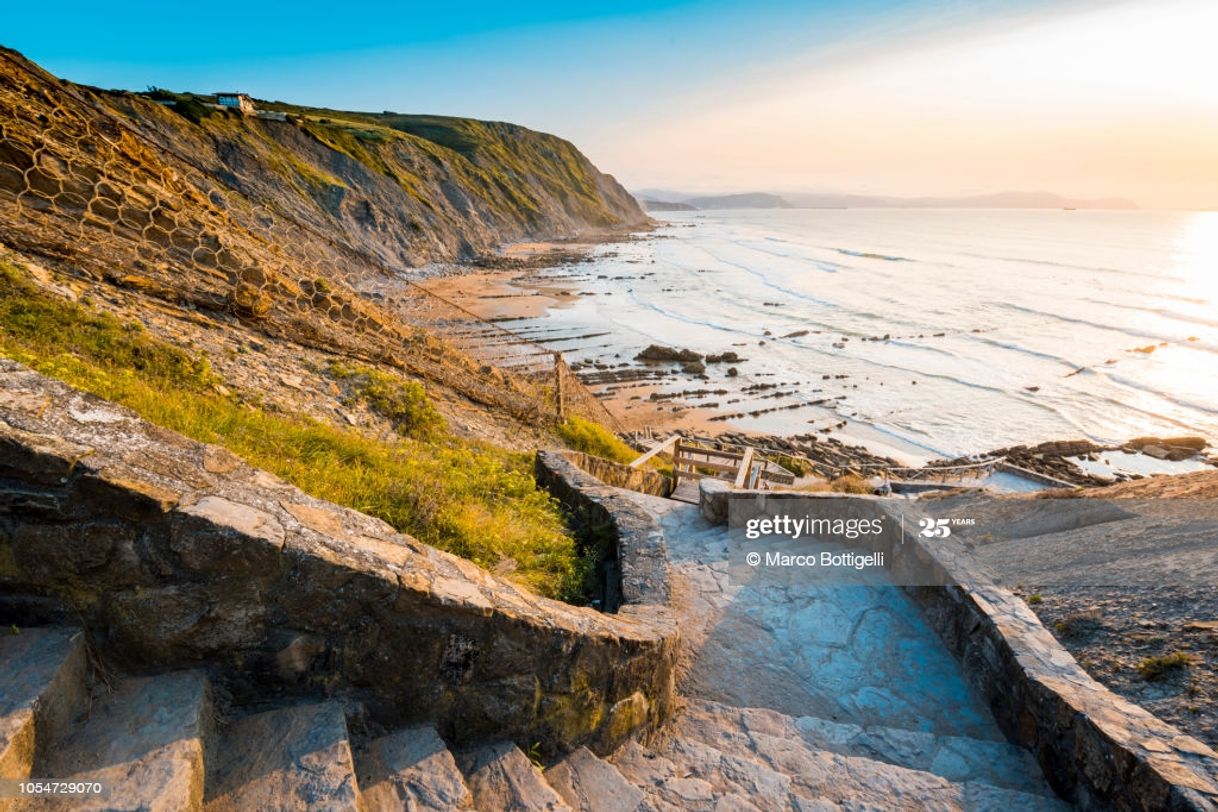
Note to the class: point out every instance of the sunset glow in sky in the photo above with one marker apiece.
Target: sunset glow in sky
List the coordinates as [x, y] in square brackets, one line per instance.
[1087, 99]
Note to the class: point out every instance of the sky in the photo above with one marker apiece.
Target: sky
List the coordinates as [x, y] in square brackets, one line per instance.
[1087, 98]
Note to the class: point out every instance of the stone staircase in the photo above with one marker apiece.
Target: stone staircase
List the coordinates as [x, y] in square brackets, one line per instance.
[159, 743]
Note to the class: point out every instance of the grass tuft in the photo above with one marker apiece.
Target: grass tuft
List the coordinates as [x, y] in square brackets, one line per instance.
[403, 403]
[1159, 666]
[592, 438]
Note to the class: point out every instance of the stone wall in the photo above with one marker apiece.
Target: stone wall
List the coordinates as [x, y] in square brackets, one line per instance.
[643, 480]
[638, 552]
[1095, 747]
[175, 553]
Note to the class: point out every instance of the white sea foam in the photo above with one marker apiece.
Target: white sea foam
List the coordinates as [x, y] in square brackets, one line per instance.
[1017, 326]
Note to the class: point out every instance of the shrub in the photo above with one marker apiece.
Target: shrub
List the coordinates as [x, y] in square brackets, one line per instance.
[1158, 666]
[799, 466]
[847, 483]
[850, 483]
[192, 110]
[592, 438]
[1076, 623]
[45, 326]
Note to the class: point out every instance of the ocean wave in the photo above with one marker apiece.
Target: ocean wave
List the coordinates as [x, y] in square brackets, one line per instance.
[689, 319]
[909, 435]
[1019, 348]
[803, 257]
[870, 255]
[1133, 334]
[767, 282]
[1188, 405]
[1070, 265]
[1163, 312]
[910, 345]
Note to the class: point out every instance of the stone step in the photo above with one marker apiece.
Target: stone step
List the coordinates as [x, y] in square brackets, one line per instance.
[296, 758]
[591, 784]
[143, 742]
[411, 769]
[672, 785]
[502, 779]
[956, 758]
[42, 689]
[771, 774]
[981, 797]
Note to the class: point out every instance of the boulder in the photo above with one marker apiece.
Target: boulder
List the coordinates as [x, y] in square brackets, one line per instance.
[658, 352]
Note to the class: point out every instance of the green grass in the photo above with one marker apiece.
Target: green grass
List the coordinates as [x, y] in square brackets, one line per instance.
[403, 403]
[472, 499]
[579, 434]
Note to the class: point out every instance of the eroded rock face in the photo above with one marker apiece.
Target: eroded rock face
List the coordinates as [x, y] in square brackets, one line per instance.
[174, 553]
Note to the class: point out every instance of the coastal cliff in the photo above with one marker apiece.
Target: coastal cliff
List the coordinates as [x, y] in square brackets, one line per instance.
[404, 189]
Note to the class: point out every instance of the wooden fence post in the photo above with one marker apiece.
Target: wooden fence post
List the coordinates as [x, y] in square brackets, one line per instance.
[558, 393]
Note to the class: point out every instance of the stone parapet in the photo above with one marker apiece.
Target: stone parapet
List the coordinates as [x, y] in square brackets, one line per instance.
[639, 553]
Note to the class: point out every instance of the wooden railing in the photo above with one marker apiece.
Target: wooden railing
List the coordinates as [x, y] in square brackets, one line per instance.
[744, 468]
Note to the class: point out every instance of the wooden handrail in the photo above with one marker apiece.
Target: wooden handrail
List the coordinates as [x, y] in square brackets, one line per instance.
[659, 449]
[746, 467]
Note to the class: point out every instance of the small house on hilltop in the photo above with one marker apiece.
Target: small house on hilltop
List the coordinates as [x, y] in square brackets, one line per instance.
[240, 102]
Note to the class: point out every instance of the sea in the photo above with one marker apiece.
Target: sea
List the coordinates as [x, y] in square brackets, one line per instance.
[930, 332]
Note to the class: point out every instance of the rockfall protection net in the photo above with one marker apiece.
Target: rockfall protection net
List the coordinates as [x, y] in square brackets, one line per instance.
[84, 189]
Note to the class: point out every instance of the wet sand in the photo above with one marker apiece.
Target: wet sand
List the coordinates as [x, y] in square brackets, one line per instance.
[507, 295]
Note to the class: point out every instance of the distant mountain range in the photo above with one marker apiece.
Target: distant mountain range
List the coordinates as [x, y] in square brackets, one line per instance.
[669, 200]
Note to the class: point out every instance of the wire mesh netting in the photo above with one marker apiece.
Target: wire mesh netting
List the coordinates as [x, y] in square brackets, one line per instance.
[83, 188]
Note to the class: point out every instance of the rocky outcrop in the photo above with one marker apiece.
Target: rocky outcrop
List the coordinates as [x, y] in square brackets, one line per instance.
[658, 352]
[174, 553]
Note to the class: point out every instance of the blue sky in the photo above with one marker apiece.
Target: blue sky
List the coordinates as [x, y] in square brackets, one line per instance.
[539, 63]
[637, 84]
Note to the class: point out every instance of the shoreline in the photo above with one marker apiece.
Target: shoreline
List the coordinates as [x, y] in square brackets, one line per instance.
[517, 284]
[512, 286]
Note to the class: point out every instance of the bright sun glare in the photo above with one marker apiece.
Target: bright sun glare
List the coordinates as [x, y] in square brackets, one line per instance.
[1197, 255]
